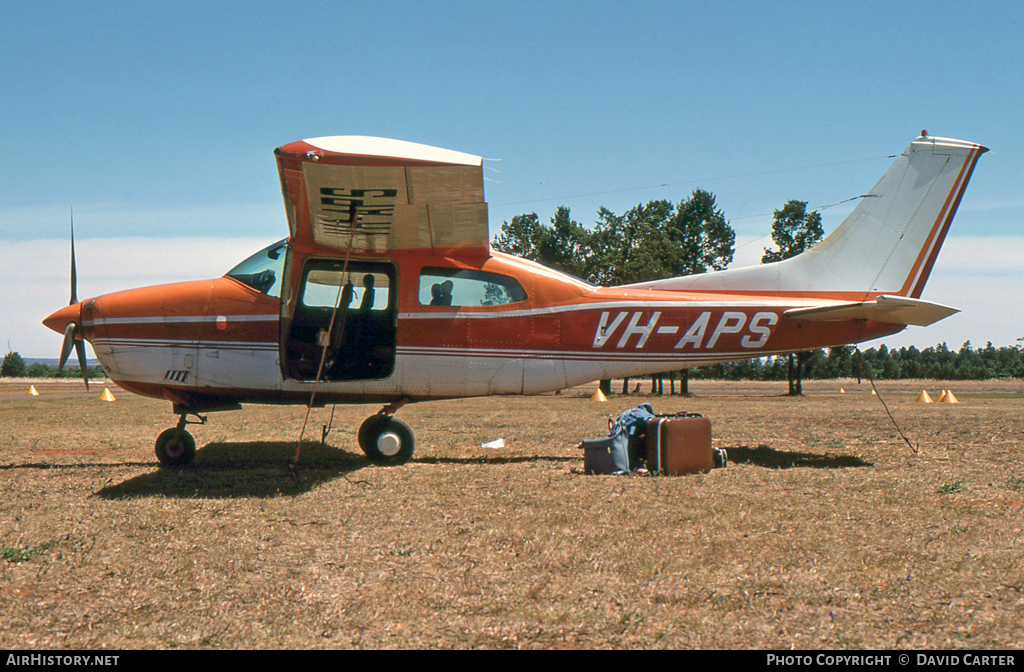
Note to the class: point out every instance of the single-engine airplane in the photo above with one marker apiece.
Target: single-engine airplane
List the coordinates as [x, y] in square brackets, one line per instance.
[386, 291]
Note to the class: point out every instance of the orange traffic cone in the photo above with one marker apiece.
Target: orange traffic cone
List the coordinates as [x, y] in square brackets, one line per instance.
[598, 396]
[33, 391]
[951, 398]
[842, 391]
[923, 398]
[107, 396]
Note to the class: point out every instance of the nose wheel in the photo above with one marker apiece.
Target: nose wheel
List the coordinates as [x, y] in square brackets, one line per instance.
[175, 447]
[386, 440]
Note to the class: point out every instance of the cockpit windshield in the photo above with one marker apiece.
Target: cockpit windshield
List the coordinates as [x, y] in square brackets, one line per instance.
[263, 270]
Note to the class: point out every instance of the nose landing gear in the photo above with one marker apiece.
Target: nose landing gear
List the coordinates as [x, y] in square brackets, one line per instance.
[175, 447]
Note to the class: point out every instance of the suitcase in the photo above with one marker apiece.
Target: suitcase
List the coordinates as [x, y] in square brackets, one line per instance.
[679, 445]
[609, 455]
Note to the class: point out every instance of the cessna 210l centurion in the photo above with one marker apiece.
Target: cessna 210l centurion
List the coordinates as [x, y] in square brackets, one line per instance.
[386, 291]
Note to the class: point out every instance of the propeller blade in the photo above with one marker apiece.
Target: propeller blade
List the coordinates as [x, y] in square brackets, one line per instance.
[69, 342]
[72, 333]
[80, 349]
[74, 274]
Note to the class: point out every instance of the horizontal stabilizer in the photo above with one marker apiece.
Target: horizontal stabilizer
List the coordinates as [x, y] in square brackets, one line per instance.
[884, 308]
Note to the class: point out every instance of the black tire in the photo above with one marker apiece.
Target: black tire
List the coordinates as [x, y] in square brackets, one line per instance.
[173, 453]
[386, 440]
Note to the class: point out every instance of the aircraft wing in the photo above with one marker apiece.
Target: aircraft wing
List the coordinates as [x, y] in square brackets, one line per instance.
[884, 308]
[380, 195]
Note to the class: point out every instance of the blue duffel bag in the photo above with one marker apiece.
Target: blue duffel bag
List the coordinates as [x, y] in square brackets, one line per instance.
[617, 453]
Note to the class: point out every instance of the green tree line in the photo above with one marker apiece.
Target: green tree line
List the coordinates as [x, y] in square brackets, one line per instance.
[14, 366]
[882, 363]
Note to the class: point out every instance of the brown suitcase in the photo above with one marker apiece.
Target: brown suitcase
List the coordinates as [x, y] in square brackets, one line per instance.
[679, 445]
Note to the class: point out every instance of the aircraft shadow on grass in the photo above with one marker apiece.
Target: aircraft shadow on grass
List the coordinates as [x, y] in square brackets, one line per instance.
[765, 456]
[249, 469]
[263, 469]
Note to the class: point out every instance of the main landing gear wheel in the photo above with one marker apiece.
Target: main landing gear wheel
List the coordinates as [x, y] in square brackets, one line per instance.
[386, 440]
[175, 448]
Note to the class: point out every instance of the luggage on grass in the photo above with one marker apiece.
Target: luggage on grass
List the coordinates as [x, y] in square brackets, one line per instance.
[609, 455]
[680, 444]
[639, 440]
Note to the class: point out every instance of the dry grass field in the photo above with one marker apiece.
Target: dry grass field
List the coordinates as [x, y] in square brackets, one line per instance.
[825, 531]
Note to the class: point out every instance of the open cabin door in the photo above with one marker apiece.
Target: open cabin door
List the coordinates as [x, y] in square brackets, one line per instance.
[344, 323]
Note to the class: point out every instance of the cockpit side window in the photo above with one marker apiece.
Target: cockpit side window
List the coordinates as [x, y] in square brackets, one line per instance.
[465, 287]
[263, 270]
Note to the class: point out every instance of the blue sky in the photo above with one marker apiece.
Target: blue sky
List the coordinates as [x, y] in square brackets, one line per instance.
[157, 121]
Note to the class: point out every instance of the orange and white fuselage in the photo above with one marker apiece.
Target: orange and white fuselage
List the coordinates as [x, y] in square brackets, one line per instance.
[221, 340]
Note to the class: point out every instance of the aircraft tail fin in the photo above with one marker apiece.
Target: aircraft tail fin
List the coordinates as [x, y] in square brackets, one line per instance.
[887, 245]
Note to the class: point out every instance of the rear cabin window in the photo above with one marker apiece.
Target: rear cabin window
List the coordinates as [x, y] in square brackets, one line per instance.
[462, 287]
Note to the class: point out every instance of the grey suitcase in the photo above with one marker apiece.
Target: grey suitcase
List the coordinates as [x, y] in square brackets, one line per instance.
[609, 455]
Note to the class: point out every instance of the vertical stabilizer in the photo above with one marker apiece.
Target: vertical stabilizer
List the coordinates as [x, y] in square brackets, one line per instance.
[887, 245]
